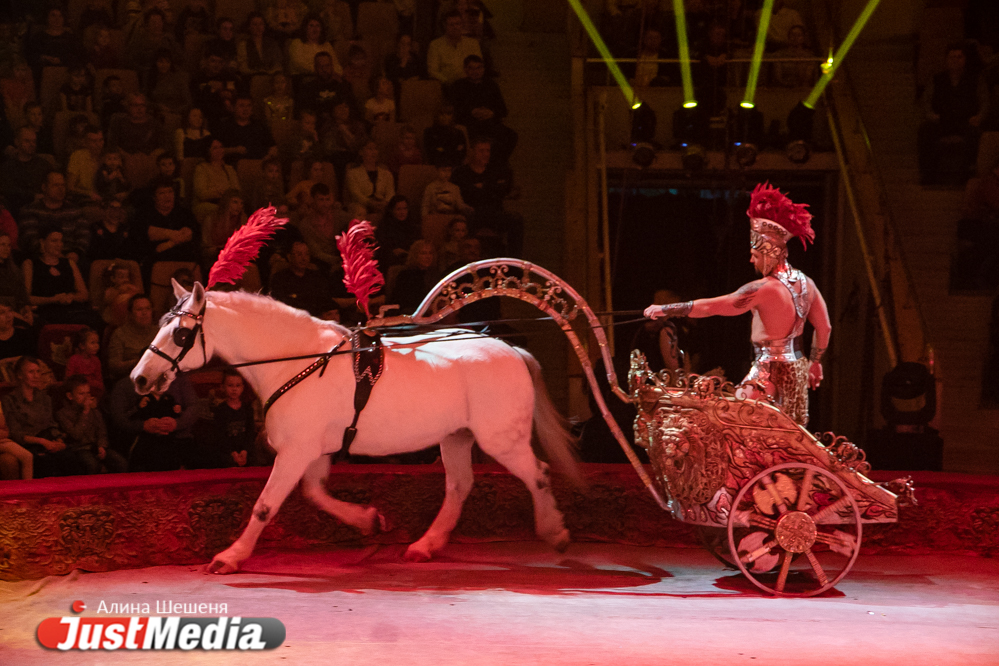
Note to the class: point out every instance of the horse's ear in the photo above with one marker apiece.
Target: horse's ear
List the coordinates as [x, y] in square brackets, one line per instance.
[178, 291]
[198, 294]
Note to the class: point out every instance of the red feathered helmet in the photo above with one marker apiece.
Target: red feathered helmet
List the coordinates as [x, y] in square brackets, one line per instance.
[774, 220]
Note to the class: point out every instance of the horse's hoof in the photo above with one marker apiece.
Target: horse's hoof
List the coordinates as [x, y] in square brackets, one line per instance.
[221, 567]
[416, 555]
[561, 543]
[376, 522]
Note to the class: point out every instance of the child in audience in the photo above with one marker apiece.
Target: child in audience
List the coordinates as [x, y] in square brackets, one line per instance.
[280, 105]
[269, 190]
[112, 99]
[24, 457]
[76, 136]
[116, 296]
[167, 166]
[86, 433]
[102, 54]
[450, 252]
[443, 196]
[299, 198]
[109, 181]
[84, 361]
[77, 94]
[381, 107]
[407, 151]
[232, 419]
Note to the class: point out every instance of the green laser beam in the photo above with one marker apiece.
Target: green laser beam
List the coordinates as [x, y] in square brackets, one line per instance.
[689, 101]
[851, 37]
[605, 53]
[761, 41]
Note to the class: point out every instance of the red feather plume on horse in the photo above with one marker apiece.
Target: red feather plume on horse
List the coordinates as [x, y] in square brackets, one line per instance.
[360, 270]
[243, 246]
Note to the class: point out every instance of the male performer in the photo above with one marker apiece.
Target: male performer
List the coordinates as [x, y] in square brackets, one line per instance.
[781, 303]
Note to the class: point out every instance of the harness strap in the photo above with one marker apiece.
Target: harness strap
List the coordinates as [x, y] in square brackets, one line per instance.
[369, 361]
[321, 362]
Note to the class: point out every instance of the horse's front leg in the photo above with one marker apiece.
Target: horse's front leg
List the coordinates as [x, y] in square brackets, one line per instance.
[365, 518]
[289, 466]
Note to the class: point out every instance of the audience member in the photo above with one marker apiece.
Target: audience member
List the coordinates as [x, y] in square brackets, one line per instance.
[648, 72]
[326, 90]
[215, 88]
[77, 94]
[102, 53]
[369, 185]
[300, 196]
[97, 12]
[23, 459]
[129, 341]
[221, 223]
[84, 164]
[137, 131]
[109, 236]
[279, 105]
[404, 63]
[150, 41]
[224, 43]
[406, 151]
[243, 136]
[169, 88]
[319, 228]
[18, 91]
[212, 179]
[479, 106]
[381, 107]
[396, 233]
[416, 279]
[302, 143]
[193, 138]
[284, 18]
[84, 362]
[795, 74]
[444, 142]
[303, 50]
[450, 252]
[14, 340]
[782, 19]
[110, 183]
[117, 295]
[164, 439]
[28, 410]
[338, 21]
[53, 211]
[343, 139]
[231, 430]
[53, 45]
[258, 53]
[86, 433]
[54, 283]
[168, 231]
[194, 19]
[484, 185]
[36, 119]
[302, 286]
[112, 100]
[12, 281]
[269, 190]
[357, 72]
[711, 70]
[22, 175]
[444, 197]
[446, 54]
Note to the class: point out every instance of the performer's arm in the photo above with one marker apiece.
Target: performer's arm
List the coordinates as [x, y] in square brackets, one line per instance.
[818, 316]
[733, 304]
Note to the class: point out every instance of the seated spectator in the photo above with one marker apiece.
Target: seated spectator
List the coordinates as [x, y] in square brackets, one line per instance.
[279, 105]
[22, 175]
[166, 165]
[55, 285]
[113, 100]
[214, 89]
[319, 228]
[335, 15]
[110, 183]
[396, 233]
[450, 251]
[212, 179]
[102, 54]
[782, 18]
[243, 136]
[86, 434]
[221, 223]
[407, 151]
[119, 291]
[109, 236]
[231, 431]
[77, 94]
[76, 136]
[269, 190]
[168, 87]
[148, 42]
[36, 119]
[302, 142]
[97, 12]
[303, 286]
[446, 55]
[955, 101]
[300, 197]
[54, 45]
[326, 91]
[479, 106]
[381, 107]
[14, 340]
[444, 197]
[193, 138]
[710, 72]
[194, 19]
[303, 50]
[84, 165]
[23, 460]
[129, 341]
[416, 280]
[369, 185]
[12, 281]
[343, 139]
[444, 142]
[159, 422]
[168, 231]
[224, 43]
[648, 72]
[284, 18]
[795, 74]
[404, 63]
[258, 53]
[84, 362]
[357, 71]
[53, 211]
[18, 91]
[137, 131]
[484, 185]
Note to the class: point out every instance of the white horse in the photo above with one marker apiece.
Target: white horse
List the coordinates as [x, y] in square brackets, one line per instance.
[432, 390]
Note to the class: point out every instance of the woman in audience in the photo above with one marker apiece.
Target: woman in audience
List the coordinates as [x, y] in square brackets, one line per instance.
[28, 410]
[12, 280]
[193, 139]
[55, 45]
[444, 142]
[129, 341]
[404, 63]
[407, 151]
[14, 340]
[302, 50]
[418, 277]
[396, 232]
[167, 87]
[336, 16]
[146, 44]
[258, 53]
[221, 223]
[450, 252]
[369, 185]
[55, 285]
[211, 180]
[284, 17]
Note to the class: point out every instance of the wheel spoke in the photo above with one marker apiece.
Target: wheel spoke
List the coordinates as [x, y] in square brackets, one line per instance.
[785, 566]
[838, 542]
[816, 567]
[756, 520]
[772, 489]
[832, 508]
[762, 550]
[806, 489]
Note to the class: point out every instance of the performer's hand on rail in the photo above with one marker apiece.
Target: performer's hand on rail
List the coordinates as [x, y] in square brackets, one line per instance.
[814, 375]
[654, 311]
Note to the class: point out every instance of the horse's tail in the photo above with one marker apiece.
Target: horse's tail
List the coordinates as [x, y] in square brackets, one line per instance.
[552, 428]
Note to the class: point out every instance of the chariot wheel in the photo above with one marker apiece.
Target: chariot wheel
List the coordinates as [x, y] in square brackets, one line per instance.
[794, 530]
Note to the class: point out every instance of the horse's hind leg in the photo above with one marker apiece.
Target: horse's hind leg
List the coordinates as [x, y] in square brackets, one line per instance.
[365, 518]
[456, 454]
[288, 469]
[519, 459]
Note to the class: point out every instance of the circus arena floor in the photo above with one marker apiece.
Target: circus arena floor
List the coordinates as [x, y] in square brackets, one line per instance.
[521, 603]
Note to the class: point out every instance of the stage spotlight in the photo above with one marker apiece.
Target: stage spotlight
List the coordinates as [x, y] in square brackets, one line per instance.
[799, 152]
[694, 158]
[799, 133]
[643, 125]
[644, 155]
[747, 134]
[691, 126]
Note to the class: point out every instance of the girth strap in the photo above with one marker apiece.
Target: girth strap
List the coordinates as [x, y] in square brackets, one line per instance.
[369, 361]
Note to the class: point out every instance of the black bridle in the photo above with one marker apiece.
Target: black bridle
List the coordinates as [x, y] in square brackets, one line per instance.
[184, 337]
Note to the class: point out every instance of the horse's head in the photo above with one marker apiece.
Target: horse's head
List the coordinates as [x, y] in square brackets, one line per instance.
[179, 345]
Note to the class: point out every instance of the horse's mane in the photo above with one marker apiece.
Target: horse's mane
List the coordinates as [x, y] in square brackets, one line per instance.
[269, 312]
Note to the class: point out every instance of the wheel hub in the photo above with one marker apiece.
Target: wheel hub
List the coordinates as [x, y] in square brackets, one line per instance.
[795, 532]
